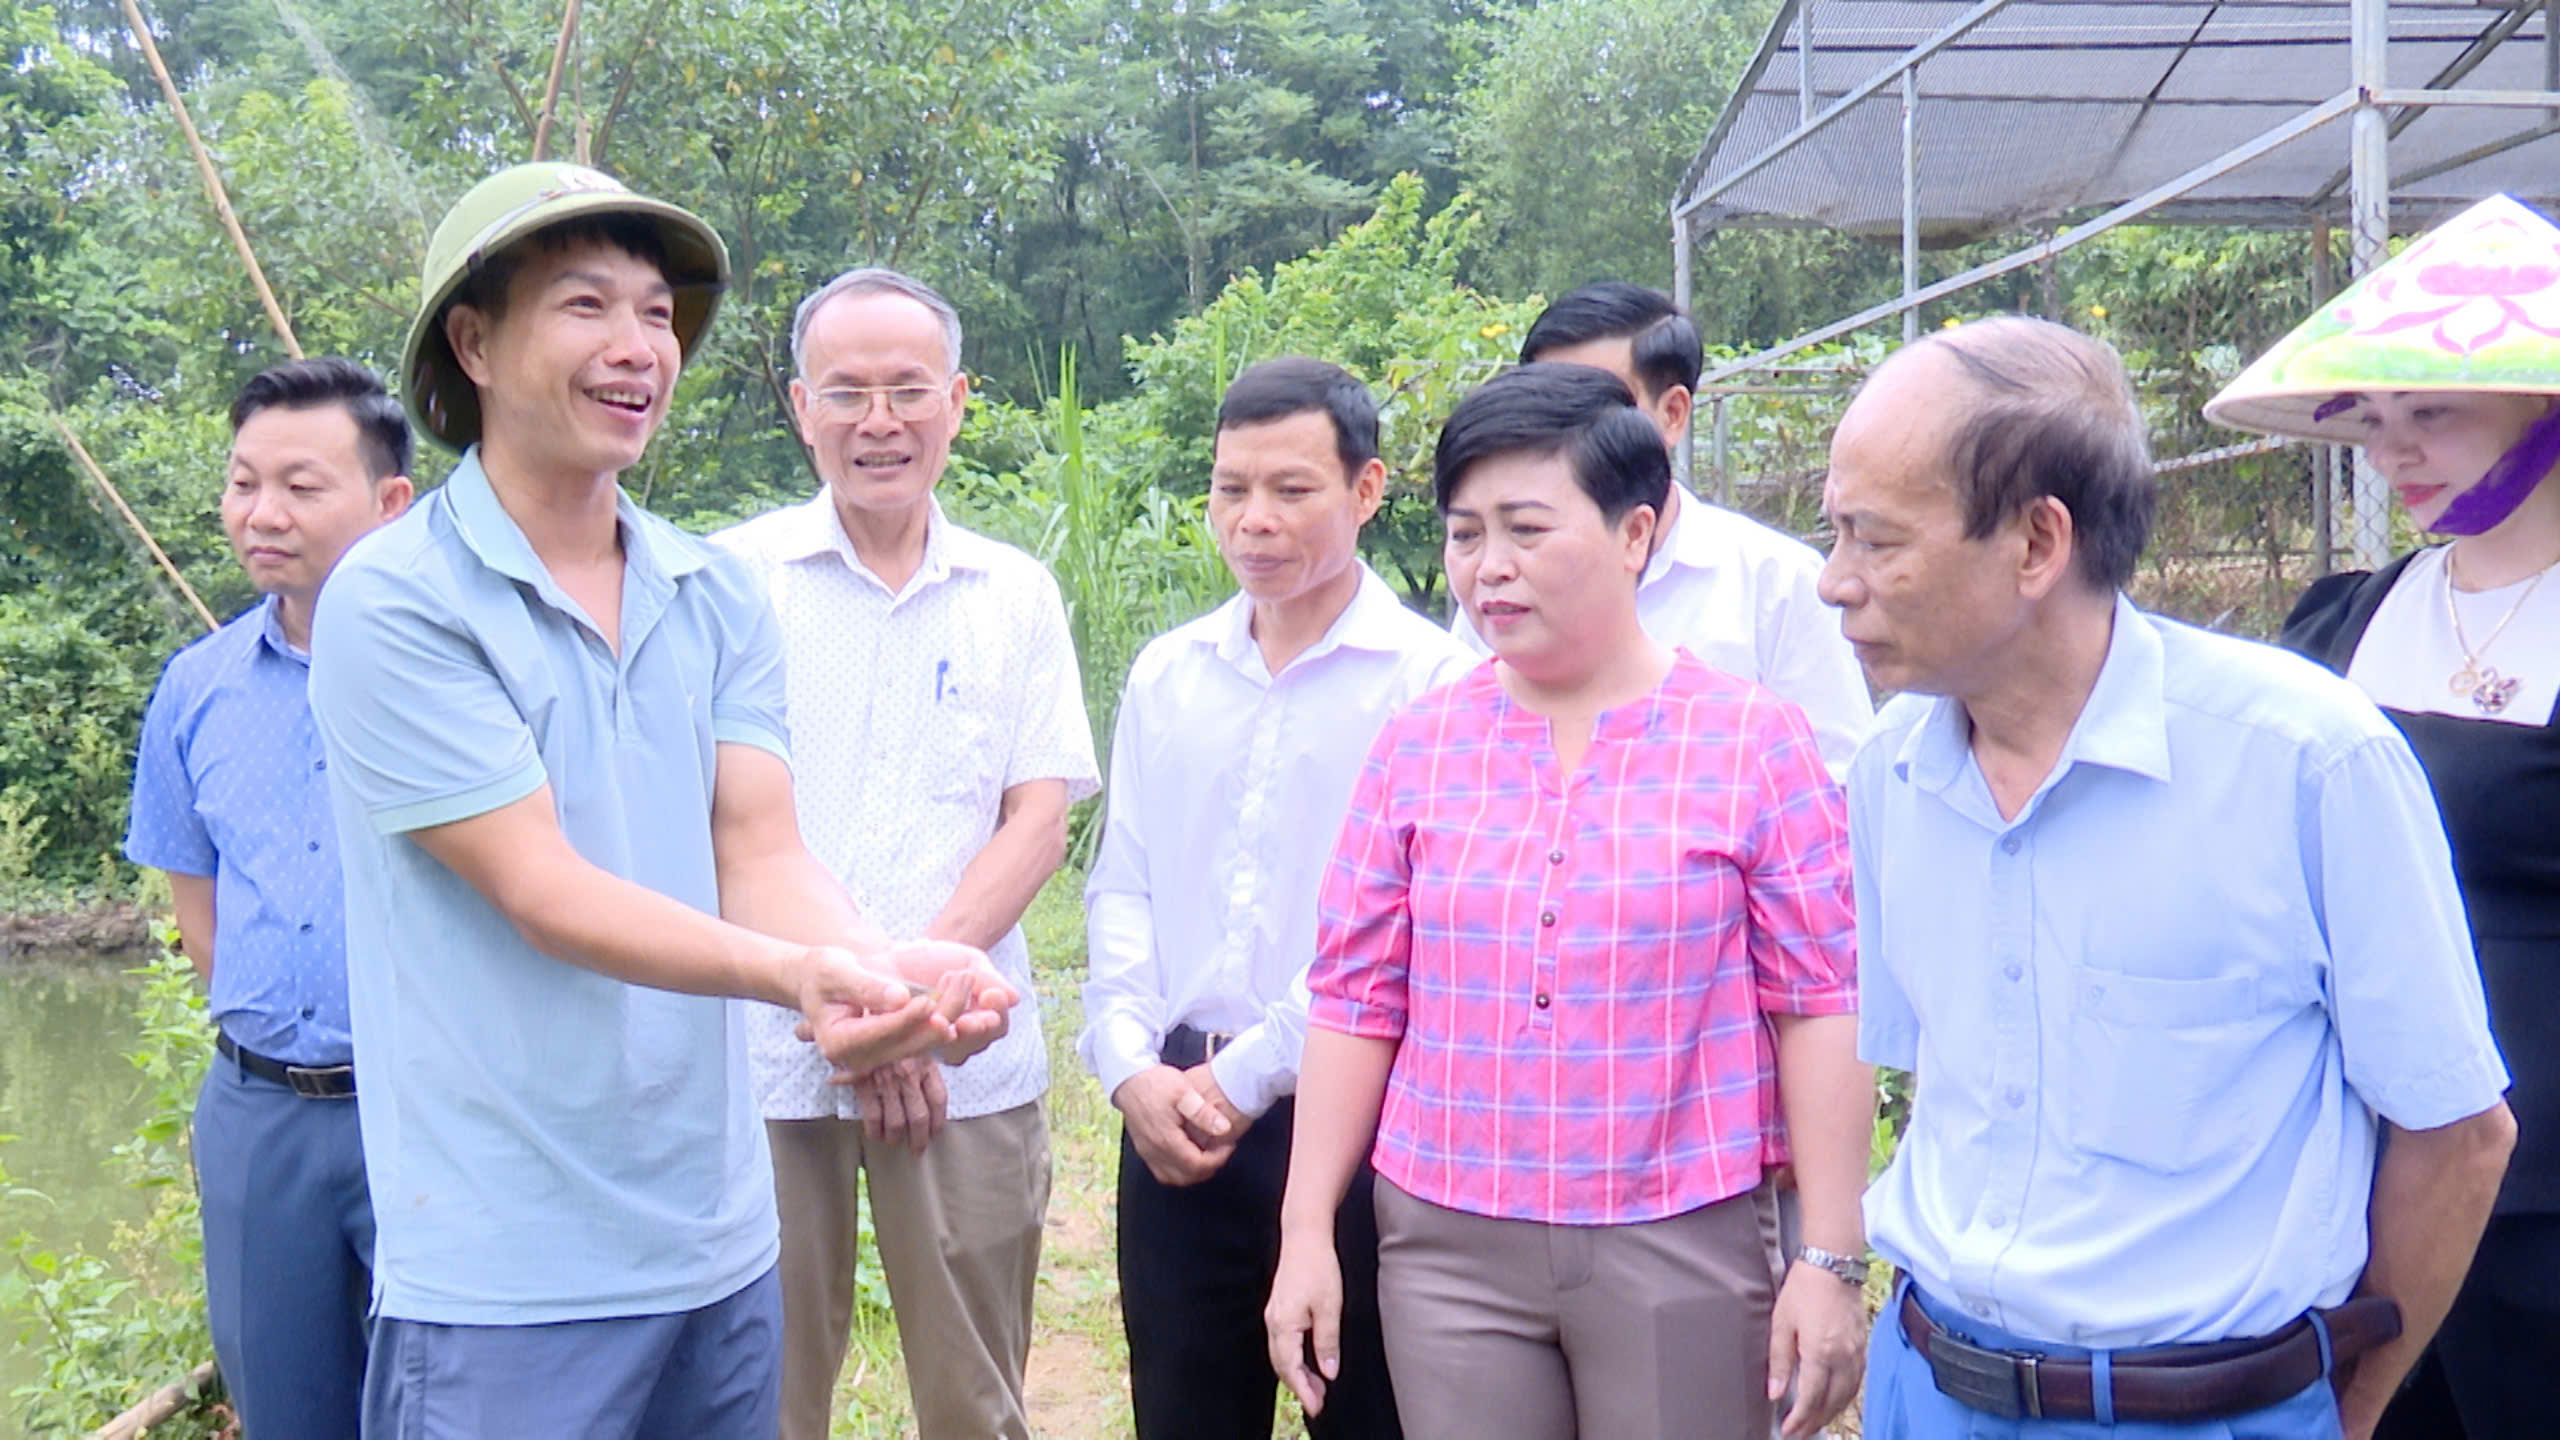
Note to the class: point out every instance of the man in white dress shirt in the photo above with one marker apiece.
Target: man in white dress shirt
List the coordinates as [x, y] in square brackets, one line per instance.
[1722, 586]
[1239, 737]
[939, 737]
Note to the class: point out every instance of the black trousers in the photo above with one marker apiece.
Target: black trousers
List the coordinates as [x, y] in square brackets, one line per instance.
[2488, 1376]
[1195, 1268]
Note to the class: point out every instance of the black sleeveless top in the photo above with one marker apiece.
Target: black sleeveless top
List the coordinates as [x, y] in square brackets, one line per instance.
[2498, 787]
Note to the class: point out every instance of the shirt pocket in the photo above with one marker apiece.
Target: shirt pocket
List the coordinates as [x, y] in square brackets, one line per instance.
[2155, 1066]
[964, 768]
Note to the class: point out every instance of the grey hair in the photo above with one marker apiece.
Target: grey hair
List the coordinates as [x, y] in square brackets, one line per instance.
[872, 280]
[2052, 413]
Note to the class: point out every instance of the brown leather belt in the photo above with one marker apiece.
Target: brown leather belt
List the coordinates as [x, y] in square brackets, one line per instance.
[2173, 1383]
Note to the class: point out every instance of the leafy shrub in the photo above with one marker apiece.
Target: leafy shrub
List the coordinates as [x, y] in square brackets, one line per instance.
[1131, 560]
[74, 699]
[1384, 301]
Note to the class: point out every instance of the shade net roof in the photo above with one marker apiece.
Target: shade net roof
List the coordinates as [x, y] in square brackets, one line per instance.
[2053, 107]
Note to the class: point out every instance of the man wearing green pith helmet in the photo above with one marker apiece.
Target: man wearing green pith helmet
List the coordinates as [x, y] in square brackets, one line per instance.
[557, 759]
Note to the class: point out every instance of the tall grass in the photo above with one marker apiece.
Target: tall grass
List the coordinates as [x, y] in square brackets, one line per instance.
[1132, 560]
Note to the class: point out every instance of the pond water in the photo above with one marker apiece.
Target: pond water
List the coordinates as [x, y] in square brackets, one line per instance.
[70, 1097]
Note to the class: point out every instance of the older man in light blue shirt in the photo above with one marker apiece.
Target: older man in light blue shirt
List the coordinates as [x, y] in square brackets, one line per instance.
[2164, 925]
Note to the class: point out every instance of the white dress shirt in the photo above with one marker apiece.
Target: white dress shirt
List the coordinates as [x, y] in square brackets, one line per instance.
[2153, 1017]
[1740, 596]
[911, 715]
[1228, 787]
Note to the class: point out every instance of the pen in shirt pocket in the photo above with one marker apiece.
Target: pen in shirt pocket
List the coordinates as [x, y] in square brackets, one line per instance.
[941, 668]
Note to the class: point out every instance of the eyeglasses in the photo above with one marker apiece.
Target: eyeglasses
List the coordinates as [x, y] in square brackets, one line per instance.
[906, 402]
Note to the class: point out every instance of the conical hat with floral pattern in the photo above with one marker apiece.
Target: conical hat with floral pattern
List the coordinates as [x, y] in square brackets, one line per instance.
[2473, 304]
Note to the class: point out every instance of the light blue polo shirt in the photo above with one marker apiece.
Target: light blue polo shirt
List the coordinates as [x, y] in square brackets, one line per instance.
[544, 1143]
[2152, 1017]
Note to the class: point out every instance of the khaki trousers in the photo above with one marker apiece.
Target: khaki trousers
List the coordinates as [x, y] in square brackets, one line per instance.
[959, 1235]
[1515, 1330]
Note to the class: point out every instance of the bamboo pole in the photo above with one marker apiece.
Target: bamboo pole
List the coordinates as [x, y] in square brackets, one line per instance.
[551, 88]
[80, 452]
[212, 178]
[159, 1405]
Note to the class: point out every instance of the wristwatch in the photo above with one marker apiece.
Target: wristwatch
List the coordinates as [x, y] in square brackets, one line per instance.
[1849, 1270]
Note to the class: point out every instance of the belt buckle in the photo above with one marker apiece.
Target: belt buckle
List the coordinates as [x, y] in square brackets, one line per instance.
[313, 1083]
[1994, 1382]
[1213, 1041]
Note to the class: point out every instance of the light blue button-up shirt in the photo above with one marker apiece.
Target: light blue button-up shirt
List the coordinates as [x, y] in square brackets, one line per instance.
[545, 1143]
[229, 782]
[2153, 1017]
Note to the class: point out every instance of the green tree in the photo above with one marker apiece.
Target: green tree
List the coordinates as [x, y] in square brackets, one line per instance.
[1578, 126]
[1200, 141]
[1384, 301]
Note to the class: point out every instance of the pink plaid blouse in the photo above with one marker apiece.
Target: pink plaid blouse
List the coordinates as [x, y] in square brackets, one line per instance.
[1578, 971]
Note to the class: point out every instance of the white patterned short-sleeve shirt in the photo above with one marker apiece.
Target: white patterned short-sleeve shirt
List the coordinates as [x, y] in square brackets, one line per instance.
[911, 714]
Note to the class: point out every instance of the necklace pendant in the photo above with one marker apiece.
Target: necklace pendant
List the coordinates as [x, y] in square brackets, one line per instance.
[2465, 681]
[2494, 691]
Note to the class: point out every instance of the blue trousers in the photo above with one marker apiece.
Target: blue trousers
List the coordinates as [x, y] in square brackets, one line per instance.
[288, 1246]
[1904, 1402]
[708, 1374]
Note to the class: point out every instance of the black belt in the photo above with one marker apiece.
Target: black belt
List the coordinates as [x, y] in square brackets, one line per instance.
[1185, 1046]
[311, 1082]
[2173, 1383]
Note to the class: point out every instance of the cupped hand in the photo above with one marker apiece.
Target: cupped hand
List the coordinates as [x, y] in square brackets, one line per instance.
[861, 1019]
[966, 991]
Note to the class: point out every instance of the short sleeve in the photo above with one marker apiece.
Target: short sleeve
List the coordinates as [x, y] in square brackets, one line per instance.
[1796, 884]
[2403, 983]
[1364, 916]
[1052, 739]
[163, 829]
[418, 726]
[749, 699]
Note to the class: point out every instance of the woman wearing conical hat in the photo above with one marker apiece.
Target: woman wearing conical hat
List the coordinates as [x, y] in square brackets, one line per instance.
[2444, 365]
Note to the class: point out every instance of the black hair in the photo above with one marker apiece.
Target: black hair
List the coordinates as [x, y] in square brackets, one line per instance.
[382, 428]
[1665, 343]
[485, 288]
[2053, 414]
[1295, 385]
[1586, 415]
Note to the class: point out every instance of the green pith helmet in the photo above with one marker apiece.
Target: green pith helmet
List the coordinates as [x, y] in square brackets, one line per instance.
[2472, 305]
[504, 209]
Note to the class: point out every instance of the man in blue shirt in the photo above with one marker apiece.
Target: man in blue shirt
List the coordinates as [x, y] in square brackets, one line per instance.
[230, 799]
[2164, 925]
[556, 750]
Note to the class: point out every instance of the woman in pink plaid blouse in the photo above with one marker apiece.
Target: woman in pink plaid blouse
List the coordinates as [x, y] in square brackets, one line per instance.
[1585, 940]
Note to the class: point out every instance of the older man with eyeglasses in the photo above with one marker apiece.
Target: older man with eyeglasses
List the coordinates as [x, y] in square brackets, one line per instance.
[939, 736]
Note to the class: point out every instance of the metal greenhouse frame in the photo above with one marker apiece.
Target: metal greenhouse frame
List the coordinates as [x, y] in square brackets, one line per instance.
[1945, 122]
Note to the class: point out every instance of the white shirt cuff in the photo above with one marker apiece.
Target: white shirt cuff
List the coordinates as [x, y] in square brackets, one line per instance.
[1121, 1046]
[1253, 1077]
